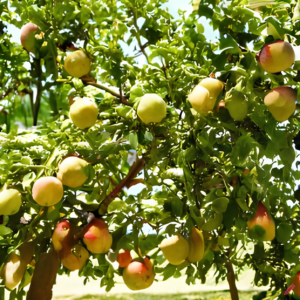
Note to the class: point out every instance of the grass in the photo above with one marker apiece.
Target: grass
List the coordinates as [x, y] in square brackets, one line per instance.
[221, 295]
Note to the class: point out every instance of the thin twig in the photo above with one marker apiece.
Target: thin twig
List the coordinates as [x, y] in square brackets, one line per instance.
[112, 92]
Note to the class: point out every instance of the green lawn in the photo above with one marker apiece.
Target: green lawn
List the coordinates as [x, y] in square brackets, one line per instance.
[222, 295]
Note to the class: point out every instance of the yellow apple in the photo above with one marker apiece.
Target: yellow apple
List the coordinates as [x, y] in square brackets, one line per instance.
[47, 191]
[281, 102]
[70, 172]
[83, 112]
[152, 108]
[10, 202]
[76, 258]
[77, 64]
[175, 249]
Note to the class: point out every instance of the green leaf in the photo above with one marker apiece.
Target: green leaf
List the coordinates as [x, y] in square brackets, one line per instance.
[5, 230]
[219, 205]
[284, 232]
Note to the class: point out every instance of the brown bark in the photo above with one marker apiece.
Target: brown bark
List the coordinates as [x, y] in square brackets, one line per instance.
[231, 280]
[134, 170]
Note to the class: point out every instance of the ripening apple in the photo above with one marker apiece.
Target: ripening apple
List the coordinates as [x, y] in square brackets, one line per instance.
[175, 249]
[47, 191]
[204, 96]
[236, 104]
[276, 57]
[124, 258]
[63, 238]
[15, 266]
[76, 258]
[71, 173]
[97, 237]
[10, 202]
[296, 283]
[152, 108]
[139, 275]
[281, 102]
[77, 64]
[27, 38]
[83, 112]
[264, 220]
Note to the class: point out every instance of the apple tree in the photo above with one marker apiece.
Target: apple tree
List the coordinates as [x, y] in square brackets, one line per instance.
[115, 96]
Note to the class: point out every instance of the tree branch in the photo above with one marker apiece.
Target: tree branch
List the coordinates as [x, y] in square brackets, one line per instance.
[112, 92]
[138, 37]
[231, 278]
[134, 170]
[39, 93]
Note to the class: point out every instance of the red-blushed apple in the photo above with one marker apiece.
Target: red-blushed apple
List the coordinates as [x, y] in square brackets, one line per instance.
[63, 238]
[76, 258]
[124, 258]
[47, 191]
[281, 102]
[27, 38]
[263, 219]
[97, 238]
[296, 283]
[276, 57]
[139, 275]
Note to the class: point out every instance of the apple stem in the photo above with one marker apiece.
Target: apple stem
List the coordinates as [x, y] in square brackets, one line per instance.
[134, 170]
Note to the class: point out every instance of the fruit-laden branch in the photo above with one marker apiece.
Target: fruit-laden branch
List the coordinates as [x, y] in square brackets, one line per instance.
[102, 87]
[134, 170]
[231, 278]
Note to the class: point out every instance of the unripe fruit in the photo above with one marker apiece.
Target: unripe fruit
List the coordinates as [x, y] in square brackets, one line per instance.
[237, 105]
[263, 219]
[27, 38]
[139, 275]
[124, 258]
[281, 102]
[76, 258]
[10, 202]
[276, 57]
[175, 249]
[97, 238]
[77, 64]
[296, 283]
[152, 108]
[47, 191]
[83, 112]
[196, 246]
[70, 172]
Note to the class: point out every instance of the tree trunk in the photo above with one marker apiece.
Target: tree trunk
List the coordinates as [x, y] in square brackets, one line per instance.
[231, 280]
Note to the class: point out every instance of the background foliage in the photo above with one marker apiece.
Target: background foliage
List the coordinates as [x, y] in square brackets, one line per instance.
[209, 151]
